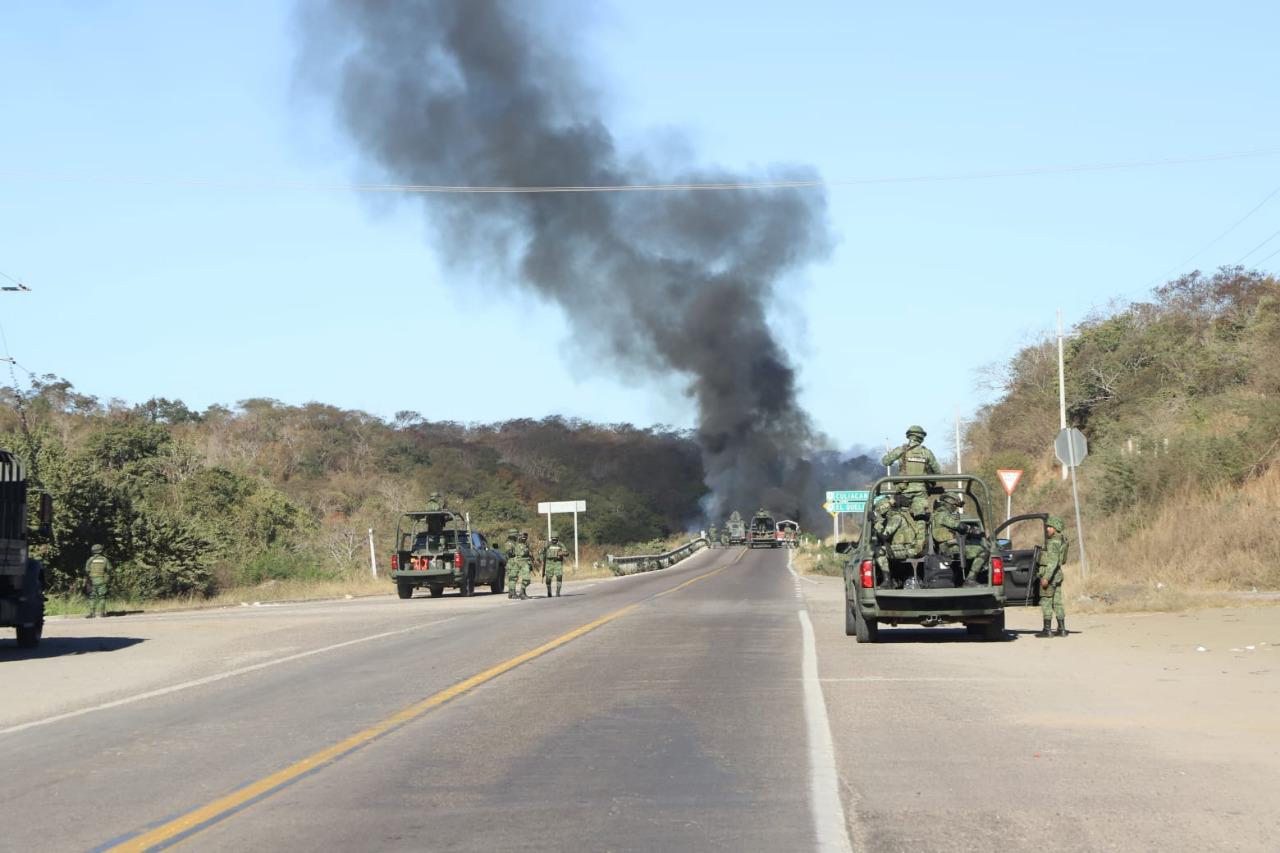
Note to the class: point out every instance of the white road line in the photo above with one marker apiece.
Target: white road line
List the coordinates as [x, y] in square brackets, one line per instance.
[829, 827]
[794, 573]
[210, 679]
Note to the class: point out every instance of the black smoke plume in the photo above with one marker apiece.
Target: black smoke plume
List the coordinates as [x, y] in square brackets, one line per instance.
[491, 93]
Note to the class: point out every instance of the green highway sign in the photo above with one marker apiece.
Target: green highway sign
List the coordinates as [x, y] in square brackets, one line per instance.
[855, 497]
[848, 506]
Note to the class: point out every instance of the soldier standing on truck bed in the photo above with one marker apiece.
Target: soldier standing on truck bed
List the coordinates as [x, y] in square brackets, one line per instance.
[553, 554]
[519, 565]
[914, 459]
[436, 503]
[1049, 572]
[98, 568]
[947, 529]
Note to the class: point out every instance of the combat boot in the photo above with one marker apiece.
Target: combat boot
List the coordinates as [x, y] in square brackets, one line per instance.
[1048, 630]
[558, 585]
[1062, 627]
[548, 589]
[90, 615]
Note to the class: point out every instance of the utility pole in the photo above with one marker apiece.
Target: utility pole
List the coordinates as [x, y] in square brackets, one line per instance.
[1062, 388]
[959, 461]
[373, 556]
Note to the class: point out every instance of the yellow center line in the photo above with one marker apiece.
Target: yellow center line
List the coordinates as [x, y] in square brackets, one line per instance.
[185, 825]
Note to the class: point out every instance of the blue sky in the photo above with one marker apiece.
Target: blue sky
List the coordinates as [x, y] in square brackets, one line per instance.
[220, 293]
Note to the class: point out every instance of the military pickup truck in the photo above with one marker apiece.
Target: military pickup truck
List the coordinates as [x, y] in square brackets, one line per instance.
[925, 588]
[21, 577]
[1021, 540]
[763, 532]
[438, 549]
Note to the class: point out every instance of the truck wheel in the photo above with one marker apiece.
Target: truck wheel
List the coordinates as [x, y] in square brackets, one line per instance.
[993, 631]
[495, 588]
[866, 630]
[436, 590]
[29, 635]
[467, 587]
[404, 590]
[850, 621]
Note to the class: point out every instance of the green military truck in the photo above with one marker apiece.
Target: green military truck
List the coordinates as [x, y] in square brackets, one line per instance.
[21, 577]
[735, 530]
[763, 532]
[924, 587]
[438, 549]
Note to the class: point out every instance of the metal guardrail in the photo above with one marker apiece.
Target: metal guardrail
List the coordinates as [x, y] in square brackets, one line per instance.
[653, 562]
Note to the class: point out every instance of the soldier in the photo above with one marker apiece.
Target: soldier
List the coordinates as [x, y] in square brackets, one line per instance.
[905, 537]
[1050, 574]
[519, 565]
[553, 554]
[880, 510]
[914, 459]
[712, 539]
[947, 529]
[98, 567]
[436, 502]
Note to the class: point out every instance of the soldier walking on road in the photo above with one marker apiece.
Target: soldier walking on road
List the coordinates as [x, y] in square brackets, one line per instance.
[914, 459]
[519, 565]
[1049, 573]
[712, 540]
[553, 555]
[98, 567]
[947, 530]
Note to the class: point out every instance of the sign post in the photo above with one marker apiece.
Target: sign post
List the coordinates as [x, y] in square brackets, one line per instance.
[1071, 448]
[548, 507]
[842, 502]
[373, 556]
[1009, 478]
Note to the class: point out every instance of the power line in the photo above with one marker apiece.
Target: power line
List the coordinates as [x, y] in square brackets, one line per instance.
[1259, 246]
[1269, 257]
[653, 187]
[1214, 241]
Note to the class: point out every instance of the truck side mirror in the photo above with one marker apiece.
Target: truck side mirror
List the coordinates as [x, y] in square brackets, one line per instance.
[844, 546]
[45, 514]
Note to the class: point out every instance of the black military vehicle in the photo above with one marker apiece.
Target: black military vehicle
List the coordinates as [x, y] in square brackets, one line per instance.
[21, 577]
[1022, 539]
[763, 532]
[927, 588]
[438, 549]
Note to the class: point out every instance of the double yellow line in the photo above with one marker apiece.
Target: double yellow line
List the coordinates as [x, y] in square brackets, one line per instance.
[188, 824]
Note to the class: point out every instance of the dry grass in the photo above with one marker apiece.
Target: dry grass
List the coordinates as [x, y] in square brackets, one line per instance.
[817, 558]
[1196, 550]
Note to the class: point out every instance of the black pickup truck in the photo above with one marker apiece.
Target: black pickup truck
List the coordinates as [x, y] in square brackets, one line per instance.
[1022, 538]
[438, 549]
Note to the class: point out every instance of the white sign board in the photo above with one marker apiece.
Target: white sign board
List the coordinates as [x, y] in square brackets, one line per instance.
[1009, 478]
[561, 506]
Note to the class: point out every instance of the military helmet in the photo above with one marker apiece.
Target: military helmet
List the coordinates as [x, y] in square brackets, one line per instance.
[96, 549]
[881, 500]
[555, 538]
[951, 498]
[916, 429]
[1054, 521]
[513, 533]
[435, 495]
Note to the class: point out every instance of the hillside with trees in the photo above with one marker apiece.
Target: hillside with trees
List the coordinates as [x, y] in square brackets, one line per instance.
[191, 502]
[1180, 399]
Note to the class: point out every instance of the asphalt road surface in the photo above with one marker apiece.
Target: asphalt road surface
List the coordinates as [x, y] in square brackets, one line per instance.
[714, 705]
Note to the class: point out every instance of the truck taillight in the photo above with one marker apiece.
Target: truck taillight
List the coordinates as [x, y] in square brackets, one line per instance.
[395, 562]
[868, 574]
[457, 559]
[997, 571]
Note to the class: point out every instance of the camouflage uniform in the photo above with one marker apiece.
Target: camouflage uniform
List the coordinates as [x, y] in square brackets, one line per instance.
[712, 538]
[947, 528]
[903, 537]
[914, 459]
[97, 567]
[436, 502]
[519, 565]
[553, 555]
[1049, 573]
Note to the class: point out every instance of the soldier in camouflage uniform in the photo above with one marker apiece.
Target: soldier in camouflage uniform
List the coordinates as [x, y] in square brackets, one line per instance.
[436, 502]
[947, 528]
[880, 510]
[914, 459]
[553, 554]
[904, 535]
[712, 540]
[98, 568]
[1049, 572]
[519, 565]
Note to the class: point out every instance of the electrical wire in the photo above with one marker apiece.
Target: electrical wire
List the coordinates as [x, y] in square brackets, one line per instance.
[1259, 246]
[1163, 276]
[654, 187]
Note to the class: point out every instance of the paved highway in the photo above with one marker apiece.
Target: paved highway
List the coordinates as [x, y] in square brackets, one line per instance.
[714, 705]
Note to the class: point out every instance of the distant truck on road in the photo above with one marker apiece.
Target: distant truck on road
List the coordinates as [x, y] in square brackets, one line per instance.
[21, 577]
[925, 588]
[735, 530]
[437, 549]
[788, 533]
[763, 533]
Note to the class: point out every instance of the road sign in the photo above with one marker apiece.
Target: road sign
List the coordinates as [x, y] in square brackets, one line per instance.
[1009, 478]
[847, 506]
[1070, 447]
[548, 507]
[834, 497]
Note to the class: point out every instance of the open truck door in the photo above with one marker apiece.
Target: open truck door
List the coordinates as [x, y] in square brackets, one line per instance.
[1019, 542]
